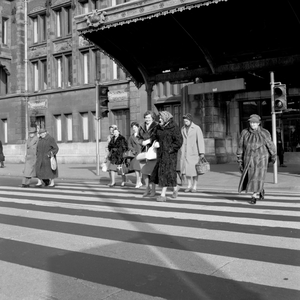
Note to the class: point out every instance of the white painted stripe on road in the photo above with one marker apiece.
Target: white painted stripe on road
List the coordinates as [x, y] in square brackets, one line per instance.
[242, 270]
[201, 203]
[174, 230]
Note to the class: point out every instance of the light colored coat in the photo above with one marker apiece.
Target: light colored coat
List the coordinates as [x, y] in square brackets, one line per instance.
[30, 159]
[193, 145]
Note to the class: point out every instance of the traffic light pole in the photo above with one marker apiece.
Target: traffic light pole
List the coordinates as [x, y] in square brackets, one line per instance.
[273, 125]
[97, 128]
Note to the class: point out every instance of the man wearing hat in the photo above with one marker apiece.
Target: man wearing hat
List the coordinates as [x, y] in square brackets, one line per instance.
[45, 149]
[30, 157]
[192, 148]
[254, 149]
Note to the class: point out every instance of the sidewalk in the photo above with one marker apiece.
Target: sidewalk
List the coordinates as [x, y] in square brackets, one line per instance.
[221, 177]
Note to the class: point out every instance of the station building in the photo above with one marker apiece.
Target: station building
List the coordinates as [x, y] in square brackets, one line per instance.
[152, 56]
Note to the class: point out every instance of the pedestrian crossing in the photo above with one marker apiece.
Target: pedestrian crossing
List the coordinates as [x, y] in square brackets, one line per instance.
[207, 245]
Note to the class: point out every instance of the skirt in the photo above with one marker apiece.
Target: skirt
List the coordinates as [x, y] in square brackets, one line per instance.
[147, 166]
[111, 167]
[134, 165]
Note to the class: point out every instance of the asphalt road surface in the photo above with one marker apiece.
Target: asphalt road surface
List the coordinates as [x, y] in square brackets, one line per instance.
[84, 241]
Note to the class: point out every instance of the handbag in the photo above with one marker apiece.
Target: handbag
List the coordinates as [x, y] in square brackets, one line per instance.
[202, 166]
[128, 154]
[53, 162]
[104, 167]
[123, 168]
[141, 156]
[151, 154]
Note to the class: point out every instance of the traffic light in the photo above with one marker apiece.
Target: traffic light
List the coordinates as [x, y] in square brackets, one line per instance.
[103, 101]
[280, 97]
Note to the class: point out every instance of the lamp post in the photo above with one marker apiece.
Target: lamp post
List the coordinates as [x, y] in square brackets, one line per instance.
[97, 82]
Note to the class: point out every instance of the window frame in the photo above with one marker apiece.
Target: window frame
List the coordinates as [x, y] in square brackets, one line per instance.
[4, 25]
[3, 81]
[64, 78]
[63, 21]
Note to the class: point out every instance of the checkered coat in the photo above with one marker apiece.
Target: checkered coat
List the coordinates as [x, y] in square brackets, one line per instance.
[254, 149]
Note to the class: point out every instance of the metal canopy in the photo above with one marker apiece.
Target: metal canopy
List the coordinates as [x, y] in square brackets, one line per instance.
[181, 40]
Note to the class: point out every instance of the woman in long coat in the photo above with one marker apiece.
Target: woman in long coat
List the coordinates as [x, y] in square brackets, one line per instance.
[46, 145]
[30, 158]
[254, 149]
[135, 148]
[1, 156]
[116, 147]
[193, 147]
[145, 138]
[168, 142]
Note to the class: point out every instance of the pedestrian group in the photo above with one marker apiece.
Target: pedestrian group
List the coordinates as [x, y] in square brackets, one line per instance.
[40, 150]
[157, 152]
[176, 149]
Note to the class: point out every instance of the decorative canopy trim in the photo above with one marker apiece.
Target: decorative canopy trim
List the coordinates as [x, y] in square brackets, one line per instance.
[137, 11]
[137, 84]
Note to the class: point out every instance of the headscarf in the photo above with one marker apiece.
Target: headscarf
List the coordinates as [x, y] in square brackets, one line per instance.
[166, 116]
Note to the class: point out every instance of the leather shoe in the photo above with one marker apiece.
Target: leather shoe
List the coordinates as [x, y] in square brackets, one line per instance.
[25, 185]
[253, 200]
[161, 199]
[111, 184]
[188, 190]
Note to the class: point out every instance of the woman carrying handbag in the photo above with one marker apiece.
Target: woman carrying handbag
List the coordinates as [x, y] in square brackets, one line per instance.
[116, 147]
[145, 137]
[135, 148]
[192, 149]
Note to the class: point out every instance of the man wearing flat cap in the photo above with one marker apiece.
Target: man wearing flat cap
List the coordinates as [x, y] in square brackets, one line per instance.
[255, 147]
[30, 157]
[45, 149]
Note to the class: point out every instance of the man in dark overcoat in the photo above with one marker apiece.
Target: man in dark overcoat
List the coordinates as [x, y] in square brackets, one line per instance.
[45, 146]
[30, 158]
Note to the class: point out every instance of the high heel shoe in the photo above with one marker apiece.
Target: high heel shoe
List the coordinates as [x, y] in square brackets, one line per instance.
[253, 200]
[123, 183]
[138, 185]
[262, 195]
[175, 193]
[147, 192]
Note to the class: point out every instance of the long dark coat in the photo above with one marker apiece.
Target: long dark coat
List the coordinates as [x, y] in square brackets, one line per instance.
[116, 148]
[254, 149]
[1, 152]
[30, 159]
[143, 135]
[45, 146]
[170, 141]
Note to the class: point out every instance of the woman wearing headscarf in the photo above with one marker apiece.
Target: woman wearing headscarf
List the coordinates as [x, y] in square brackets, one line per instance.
[254, 149]
[135, 148]
[192, 149]
[116, 147]
[168, 142]
[145, 138]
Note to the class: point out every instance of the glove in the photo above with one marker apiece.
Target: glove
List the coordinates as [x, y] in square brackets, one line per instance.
[273, 159]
